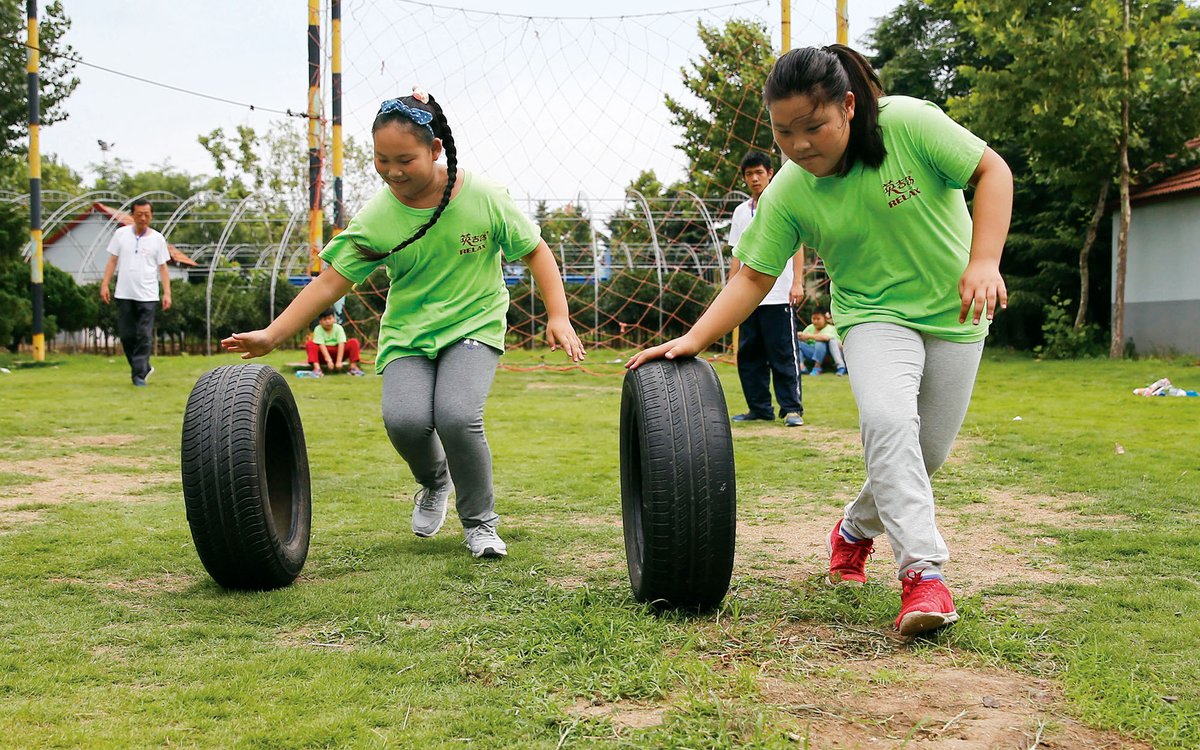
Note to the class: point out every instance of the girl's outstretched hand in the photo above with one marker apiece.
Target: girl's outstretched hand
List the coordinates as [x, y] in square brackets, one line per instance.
[673, 349]
[981, 285]
[250, 345]
[560, 333]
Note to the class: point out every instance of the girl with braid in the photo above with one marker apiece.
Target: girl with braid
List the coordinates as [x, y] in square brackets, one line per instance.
[875, 184]
[442, 234]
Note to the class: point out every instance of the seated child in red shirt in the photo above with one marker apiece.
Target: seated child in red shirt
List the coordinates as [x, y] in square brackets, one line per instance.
[329, 343]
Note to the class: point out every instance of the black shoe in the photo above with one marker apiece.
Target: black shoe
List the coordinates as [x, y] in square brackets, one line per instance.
[752, 417]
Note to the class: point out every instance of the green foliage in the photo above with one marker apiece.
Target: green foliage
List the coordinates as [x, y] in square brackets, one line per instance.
[67, 306]
[55, 72]
[919, 48]
[1062, 340]
[728, 80]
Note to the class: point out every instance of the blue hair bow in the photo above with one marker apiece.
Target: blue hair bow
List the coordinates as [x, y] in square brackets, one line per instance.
[419, 116]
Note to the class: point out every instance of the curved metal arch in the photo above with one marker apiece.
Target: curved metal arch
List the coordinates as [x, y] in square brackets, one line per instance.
[283, 241]
[187, 205]
[660, 261]
[712, 233]
[87, 257]
[217, 253]
[70, 207]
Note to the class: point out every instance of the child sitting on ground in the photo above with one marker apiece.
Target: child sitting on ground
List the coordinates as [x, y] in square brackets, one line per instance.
[817, 340]
[329, 343]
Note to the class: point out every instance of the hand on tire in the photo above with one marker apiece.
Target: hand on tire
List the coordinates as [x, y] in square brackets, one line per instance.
[249, 345]
[673, 349]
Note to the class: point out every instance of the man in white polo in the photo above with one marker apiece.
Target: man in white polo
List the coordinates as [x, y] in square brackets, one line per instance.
[139, 256]
[767, 339]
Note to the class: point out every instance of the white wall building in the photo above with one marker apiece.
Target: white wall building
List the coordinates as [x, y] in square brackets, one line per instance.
[1162, 274]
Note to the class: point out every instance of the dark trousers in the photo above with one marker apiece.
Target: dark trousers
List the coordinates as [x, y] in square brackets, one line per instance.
[135, 327]
[766, 349]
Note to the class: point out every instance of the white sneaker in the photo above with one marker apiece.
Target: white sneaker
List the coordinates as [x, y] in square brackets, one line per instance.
[429, 510]
[483, 541]
[149, 374]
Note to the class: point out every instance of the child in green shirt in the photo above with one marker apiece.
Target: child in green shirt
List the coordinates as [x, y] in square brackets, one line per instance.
[820, 337]
[875, 184]
[329, 343]
[442, 330]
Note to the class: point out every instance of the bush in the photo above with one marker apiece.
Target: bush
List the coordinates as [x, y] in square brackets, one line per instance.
[1062, 340]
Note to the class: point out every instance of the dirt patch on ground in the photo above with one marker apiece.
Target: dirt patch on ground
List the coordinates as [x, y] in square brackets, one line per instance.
[78, 477]
[833, 443]
[599, 387]
[608, 559]
[15, 520]
[622, 714]
[1001, 540]
[170, 583]
[931, 701]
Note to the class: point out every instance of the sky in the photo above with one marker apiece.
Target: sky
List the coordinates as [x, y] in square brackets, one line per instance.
[553, 106]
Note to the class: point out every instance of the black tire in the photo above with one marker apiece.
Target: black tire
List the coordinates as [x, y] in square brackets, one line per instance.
[245, 477]
[678, 497]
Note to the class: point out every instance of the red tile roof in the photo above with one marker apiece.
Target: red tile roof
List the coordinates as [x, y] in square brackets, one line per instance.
[1187, 181]
[123, 219]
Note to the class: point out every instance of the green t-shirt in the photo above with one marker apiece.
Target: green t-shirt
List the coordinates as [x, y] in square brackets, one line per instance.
[829, 330]
[332, 338]
[895, 240]
[448, 285]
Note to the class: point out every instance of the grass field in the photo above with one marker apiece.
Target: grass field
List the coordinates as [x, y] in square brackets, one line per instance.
[1076, 567]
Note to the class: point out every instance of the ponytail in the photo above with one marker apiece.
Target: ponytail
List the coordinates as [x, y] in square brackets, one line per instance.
[437, 127]
[825, 75]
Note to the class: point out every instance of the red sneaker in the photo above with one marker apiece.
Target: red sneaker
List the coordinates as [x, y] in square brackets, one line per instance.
[925, 604]
[847, 560]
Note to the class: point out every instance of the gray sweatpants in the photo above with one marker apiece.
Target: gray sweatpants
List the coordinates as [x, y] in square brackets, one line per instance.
[912, 391]
[433, 412]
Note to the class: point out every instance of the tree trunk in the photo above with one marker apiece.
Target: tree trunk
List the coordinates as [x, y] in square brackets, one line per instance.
[1117, 348]
[1084, 276]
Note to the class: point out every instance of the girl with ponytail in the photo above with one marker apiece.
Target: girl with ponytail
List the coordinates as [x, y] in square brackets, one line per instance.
[875, 184]
[442, 235]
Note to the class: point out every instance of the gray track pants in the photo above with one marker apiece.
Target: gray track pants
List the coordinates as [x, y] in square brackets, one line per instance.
[433, 412]
[912, 391]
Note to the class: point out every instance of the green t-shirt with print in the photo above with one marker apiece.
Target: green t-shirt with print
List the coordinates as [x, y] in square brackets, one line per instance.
[333, 337]
[895, 240]
[448, 285]
[829, 330]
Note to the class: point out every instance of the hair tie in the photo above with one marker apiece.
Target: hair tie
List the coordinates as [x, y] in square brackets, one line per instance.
[419, 116]
[420, 95]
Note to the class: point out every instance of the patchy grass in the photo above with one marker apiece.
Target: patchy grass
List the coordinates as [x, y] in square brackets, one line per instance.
[1076, 569]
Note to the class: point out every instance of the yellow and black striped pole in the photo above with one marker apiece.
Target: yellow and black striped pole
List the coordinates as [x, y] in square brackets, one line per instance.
[35, 186]
[339, 207]
[315, 217]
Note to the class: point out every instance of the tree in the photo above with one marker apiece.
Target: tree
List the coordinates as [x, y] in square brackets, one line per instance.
[728, 80]
[919, 48]
[1091, 91]
[55, 72]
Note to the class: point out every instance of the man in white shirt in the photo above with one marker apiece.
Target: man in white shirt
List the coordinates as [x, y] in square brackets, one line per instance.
[139, 256]
[767, 339]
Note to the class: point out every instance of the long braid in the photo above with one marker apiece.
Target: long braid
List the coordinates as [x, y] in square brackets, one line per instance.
[440, 127]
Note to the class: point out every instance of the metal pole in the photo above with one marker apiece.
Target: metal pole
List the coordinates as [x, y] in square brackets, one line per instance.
[843, 23]
[314, 137]
[339, 207]
[35, 186]
[785, 35]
